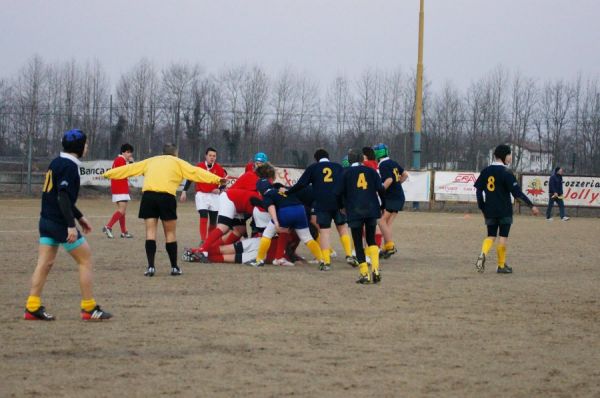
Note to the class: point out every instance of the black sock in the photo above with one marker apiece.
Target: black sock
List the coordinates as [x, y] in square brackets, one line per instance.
[172, 251]
[150, 252]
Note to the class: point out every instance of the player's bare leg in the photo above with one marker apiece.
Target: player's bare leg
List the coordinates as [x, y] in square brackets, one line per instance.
[90, 310]
[325, 245]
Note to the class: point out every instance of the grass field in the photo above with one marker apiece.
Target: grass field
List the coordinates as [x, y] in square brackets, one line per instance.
[433, 327]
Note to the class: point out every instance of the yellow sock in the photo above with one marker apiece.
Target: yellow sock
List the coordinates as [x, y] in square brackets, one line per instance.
[374, 255]
[326, 255]
[487, 245]
[501, 251]
[263, 248]
[88, 305]
[388, 245]
[346, 244]
[364, 269]
[33, 303]
[315, 249]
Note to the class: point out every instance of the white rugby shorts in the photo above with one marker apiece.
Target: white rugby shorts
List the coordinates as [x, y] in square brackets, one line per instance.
[207, 201]
[121, 197]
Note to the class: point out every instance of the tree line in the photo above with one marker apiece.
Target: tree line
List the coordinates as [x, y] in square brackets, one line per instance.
[241, 110]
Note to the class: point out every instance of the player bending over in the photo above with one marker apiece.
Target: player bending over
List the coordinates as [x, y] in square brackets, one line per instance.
[287, 212]
[325, 176]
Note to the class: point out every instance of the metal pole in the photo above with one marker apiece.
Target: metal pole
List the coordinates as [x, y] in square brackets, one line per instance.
[110, 110]
[29, 160]
[419, 96]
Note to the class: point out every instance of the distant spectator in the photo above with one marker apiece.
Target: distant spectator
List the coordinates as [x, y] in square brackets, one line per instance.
[555, 194]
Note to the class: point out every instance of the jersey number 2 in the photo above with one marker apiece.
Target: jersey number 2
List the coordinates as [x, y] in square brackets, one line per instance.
[328, 175]
[362, 181]
[491, 184]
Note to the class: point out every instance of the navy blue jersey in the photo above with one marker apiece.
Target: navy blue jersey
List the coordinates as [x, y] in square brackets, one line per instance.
[391, 169]
[306, 196]
[325, 177]
[494, 186]
[62, 175]
[359, 192]
[280, 199]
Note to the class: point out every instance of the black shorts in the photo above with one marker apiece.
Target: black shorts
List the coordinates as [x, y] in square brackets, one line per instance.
[362, 221]
[56, 231]
[394, 205]
[324, 218]
[499, 221]
[158, 205]
[498, 226]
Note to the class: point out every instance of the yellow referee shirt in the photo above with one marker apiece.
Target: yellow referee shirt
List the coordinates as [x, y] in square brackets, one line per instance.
[162, 173]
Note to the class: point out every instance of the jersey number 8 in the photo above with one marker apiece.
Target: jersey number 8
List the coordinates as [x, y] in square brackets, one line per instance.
[491, 184]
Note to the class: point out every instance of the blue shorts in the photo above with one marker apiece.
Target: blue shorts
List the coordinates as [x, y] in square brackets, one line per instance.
[292, 217]
[54, 234]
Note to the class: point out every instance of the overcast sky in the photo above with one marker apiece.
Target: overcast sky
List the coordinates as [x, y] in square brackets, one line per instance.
[464, 39]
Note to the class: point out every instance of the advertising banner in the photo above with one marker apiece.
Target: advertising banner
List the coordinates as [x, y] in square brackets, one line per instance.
[455, 186]
[418, 186]
[91, 174]
[577, 191]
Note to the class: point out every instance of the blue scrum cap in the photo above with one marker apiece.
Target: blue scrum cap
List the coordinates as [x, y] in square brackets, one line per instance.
[261, 157]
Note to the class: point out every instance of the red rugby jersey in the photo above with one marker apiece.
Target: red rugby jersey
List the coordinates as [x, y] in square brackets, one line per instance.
[119, 187]
[247, 181]
[241, 199]
[216, 169]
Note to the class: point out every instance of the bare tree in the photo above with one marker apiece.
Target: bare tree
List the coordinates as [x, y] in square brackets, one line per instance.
[177, 81]
[522, 105]
[30, 86]
[590, 127]
[555, 105]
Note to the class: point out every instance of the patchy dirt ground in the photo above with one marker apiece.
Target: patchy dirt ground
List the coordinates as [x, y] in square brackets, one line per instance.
[434, 327]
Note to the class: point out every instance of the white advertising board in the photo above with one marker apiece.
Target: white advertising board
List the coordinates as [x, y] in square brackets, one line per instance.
[455, 186]
[417, 186]
[577, 191]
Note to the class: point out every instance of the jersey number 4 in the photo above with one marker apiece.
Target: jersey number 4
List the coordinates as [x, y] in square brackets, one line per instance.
[48, 182]
[362, 181]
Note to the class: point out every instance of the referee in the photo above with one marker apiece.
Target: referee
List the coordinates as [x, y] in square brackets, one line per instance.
[162, 175]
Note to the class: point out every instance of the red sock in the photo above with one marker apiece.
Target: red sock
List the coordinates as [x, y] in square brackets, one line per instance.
[378, 238]
[211, 239]
[211, 227]
[115, 217]
[282, 241]
[216, 258]
[203, 224]
[122, 223]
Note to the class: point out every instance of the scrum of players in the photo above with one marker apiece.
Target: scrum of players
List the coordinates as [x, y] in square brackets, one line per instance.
[361, 196]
